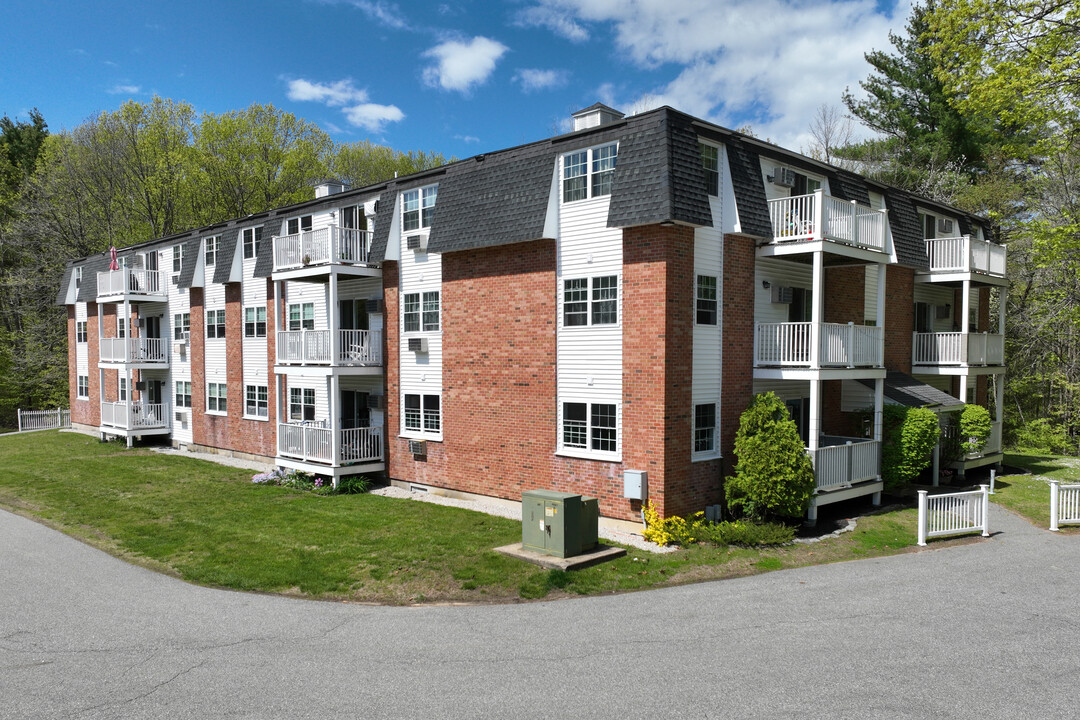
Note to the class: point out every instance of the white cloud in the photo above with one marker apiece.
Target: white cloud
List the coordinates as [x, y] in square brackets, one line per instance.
[460, 65]
[388, 14]
[532, 79]
[467, 138]
[124, 90]
[373, 117]
[332, 94]
[558, 21]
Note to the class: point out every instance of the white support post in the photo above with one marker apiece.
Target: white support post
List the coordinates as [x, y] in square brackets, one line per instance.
[922, 518]
[334, 387]
[993, 479]
[332, 312]
[851, 344]
[985, 489]
[1055, 499]
[1003, 297]
[880, 315]
[819, 215]
[999, 397]
[817, 307]
[814, 432]
[879, 409]
[19, 411]
[855, 222]
[937, 460]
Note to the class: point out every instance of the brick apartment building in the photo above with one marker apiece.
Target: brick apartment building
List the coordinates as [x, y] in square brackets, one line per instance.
[555, 315]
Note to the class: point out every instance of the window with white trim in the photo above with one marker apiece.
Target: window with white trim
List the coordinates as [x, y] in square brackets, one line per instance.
[255, 322]
[422, 414]
[710, 163]
[215, 397]
[257, 401]
[417, 207]
[589, 173]
[183, 393]
[706, 302]
[121, 327]
[78, 278]
[591, 301]
[590, 426]
[177, 258]
[80, 331]
[252, 240]
[705, 428]
[82, 387]
[302, 316]
[421, 312]
[298, 225]
[215, 324]
[122, 393]
[301, 404]
[210, 250]
[181, 326]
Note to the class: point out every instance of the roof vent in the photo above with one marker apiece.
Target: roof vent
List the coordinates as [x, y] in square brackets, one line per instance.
[329, 187]
[594, 115]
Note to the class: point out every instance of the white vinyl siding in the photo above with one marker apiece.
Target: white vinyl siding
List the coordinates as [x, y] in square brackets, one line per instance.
[254, 353]
[938, 296]
[214, 361]
[777, 273]
[180, 362]
[82, 350]
[707, 360]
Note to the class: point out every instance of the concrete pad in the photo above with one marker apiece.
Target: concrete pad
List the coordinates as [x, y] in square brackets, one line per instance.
[599, 554]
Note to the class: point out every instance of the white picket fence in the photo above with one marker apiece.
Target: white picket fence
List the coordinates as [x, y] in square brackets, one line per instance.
[1064, 505]
[44, 419]
[954, 513]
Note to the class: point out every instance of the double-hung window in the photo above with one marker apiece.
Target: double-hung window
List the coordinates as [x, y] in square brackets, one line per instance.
[589, 426]
[588, 173]
[301, 404]
[257, 401]
[78, 278]
[121, 327]
[215, 397]
[183, 393]
[252, 240]
[417, 207]
[422, 414]
[255, 322]
[591, 301]
[83, 390]
[80, 331]
[298, 225]
[177, 258]
[302, 316]
[706, 300]
[123, 391]
[710, 163]
[421, 311]
[210, 250]
[215, 323]
[181, 326]
[705, 428]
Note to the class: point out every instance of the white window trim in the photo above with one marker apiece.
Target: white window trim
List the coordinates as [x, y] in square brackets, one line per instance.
[78, 387]
[220, 413]
[715, 453]
[177, 258]
[255, 242]
[421, 434]
[206, 318]
[716, 300]
[260, 418]
[589, 296]
[589, 172]
[216, 240]
[266, 327]
[719, 167]
[420, 192]
[421, 331]
[587, 453]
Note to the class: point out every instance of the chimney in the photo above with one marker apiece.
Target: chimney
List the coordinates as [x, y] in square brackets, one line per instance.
[598, 114]
[329, 187]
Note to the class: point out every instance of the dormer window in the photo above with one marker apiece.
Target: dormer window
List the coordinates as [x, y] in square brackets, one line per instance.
[299, 225]
[589, 173]
[210, 249]
[710, 163]
[418, 207]
[78, 278]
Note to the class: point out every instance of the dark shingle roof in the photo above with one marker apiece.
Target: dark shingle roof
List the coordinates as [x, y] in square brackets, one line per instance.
[264, 261]
[225, 255]
[906, 390]
[849, 186]
[65, 282]
[383, 218]
[191, 258]
[749, 189]
[907, 232]
[91, 267]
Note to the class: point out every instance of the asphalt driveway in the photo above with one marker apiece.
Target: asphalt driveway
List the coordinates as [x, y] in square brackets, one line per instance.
[989, 630]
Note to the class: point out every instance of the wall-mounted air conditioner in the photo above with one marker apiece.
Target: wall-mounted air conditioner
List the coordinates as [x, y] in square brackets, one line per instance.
[136, 322]
[418, 345]
[374, 305]
[375, 402]
[417, 243]
[418, 447]
[140, 385]
[944, 225]
[783, 177]
[181, 416]
[176, 279]
[782, 294]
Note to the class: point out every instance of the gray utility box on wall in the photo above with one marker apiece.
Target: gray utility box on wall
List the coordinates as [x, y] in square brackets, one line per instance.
[558, 523]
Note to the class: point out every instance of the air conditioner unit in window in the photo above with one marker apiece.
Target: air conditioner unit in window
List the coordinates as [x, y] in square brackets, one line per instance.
[417, 243]
[418, 447]
[782, 294]
[375, 305]
[418, 345]
[181, 416]
[783, 177]
[944, 225]
[140, 385]
[136, 322]
[175, 279]
[375, 402]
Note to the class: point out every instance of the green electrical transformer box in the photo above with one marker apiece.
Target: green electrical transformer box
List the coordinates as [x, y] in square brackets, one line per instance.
[558, 523]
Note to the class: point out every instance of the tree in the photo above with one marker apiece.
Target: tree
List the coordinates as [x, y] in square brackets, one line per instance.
[363, 163]
[773, 476]
[832, 131]
[908, 438]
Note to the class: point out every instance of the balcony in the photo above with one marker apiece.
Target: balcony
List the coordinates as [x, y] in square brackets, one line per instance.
[312, 347]
[842, 462]
[130, 282]
[965, 254]
[312, 443]
[326, 246]
[134, 416]
[791, 345]
[819, 217]
[956, 348]
[154, 351]
[993, 442]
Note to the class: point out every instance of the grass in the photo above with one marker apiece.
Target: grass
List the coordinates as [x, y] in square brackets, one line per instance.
[208, 524]
[1029, 495]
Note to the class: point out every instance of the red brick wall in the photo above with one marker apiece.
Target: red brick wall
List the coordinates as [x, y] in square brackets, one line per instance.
[899, 317]
[197, 356]
[845, 294]
[984, 309]
[737, 389]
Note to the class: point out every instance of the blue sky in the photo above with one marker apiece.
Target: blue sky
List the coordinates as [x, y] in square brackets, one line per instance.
[459, 77]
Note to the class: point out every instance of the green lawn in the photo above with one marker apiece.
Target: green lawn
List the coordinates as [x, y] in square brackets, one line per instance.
[208, 524]
[1029, 495]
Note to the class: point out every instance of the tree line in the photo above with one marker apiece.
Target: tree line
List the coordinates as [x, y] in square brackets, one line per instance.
[143, 171]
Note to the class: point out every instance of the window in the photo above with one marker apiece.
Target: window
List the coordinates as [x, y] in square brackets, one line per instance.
[183, 393]
[210, 248]
[121, 327]
[302, 316]
[258, 404]
[417, 207]
[414, 319]
[83, 390]
[177, 257]
[301, 403]
[252, 240]
[80, 331]
[181, 326]
[122, 393]
[215, 323]
[578, 182]
[705, 428]
[255, 322]
[215, 397]
[591, 301]
[299, 225]
[706, 300]
[78, 278]
[710, 163]
[422, 414]
[589, 426]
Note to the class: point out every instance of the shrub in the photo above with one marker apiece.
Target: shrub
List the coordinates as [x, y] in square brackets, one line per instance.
[1042, 435]
[909, 436]
[974, 428]
[672, 530]
[353, 485]
[773, 476]
[676, 530]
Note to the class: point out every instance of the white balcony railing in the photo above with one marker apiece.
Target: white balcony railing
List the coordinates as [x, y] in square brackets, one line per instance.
[329, 245]
[130, 282]
[133, 350]
[823, 217]
[842, 462]
[966, 254]
[789, 344]
[134, 416]
[951, 348]
[312, 347]
[993, 441]
[312, 443]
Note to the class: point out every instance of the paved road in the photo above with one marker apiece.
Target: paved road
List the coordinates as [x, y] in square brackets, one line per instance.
[990, 630]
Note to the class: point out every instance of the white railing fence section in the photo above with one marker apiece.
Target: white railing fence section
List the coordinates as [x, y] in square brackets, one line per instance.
[140, 349]
[361, 444]
[311, 442]
[782, 343]
[129, 282]
[823, 217]
[793, 218]
[951, 348]
[324, 245]
[851, 344]
[43, 419]
[845, 464]
[1064, 505]
[847, 345]
[360, 346]
[964, 254]
[133, 416]
[954, 513]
